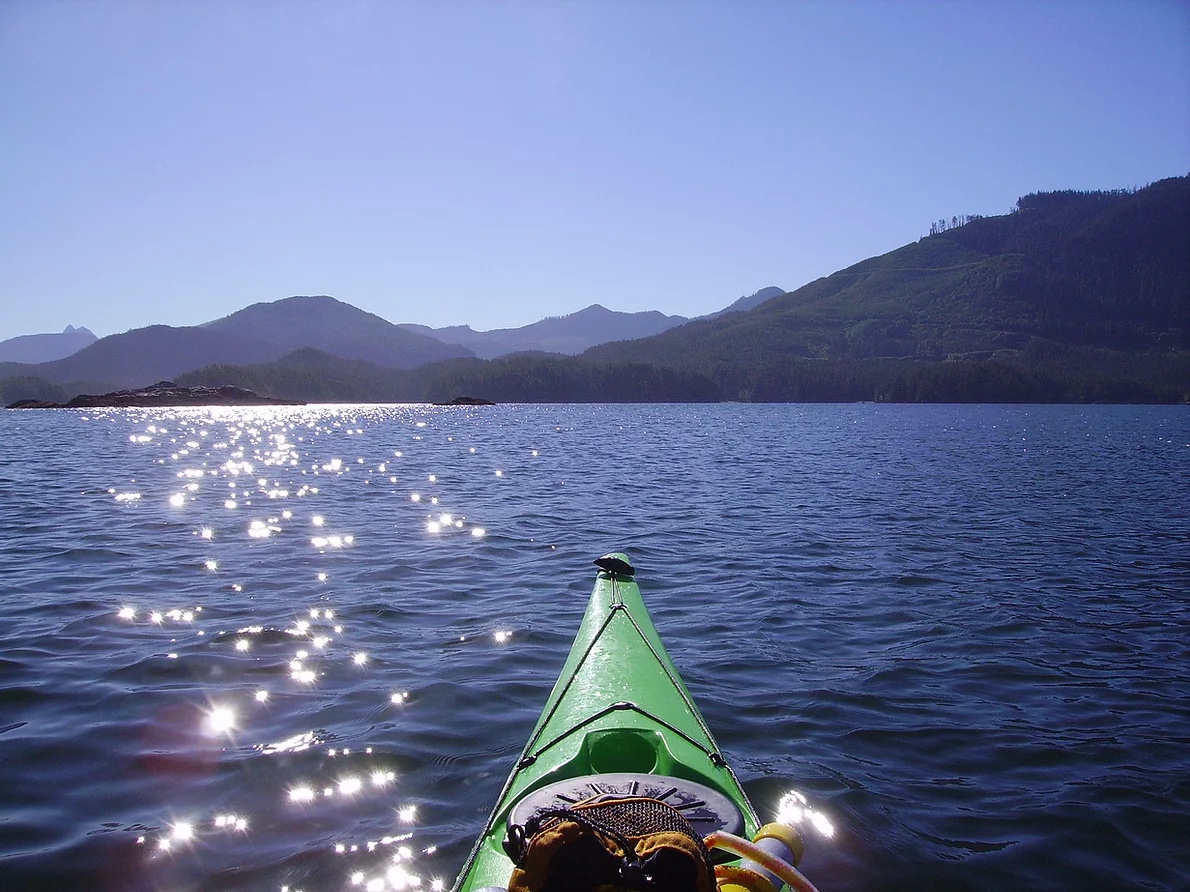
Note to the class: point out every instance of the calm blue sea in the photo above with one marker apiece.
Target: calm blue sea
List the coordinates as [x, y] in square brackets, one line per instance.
[299, 648]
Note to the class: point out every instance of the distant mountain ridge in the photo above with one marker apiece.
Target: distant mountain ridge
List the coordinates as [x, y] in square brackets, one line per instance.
[1072, 297]
[259, 333]
[569, 335]
[267, 331]
[576, 332]
[34, 348]
[139, 357]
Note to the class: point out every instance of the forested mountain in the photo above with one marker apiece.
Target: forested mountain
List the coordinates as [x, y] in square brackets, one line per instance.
[1073, 296]
[46, 347]
[570, 334]
[332, 326]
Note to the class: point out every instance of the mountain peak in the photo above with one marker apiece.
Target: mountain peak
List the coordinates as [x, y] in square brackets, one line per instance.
[336, 327]
[749, 301]
[311, 298]
[36, 348]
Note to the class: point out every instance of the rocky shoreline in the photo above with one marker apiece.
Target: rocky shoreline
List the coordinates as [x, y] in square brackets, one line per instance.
[165, 394]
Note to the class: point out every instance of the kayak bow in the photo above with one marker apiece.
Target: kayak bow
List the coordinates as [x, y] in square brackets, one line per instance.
[620, 721]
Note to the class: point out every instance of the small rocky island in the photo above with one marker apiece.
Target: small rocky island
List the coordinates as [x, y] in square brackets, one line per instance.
[165, 394]
[467, 401]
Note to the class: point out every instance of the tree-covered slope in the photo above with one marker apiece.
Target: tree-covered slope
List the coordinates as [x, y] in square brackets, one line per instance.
[315, 376]
[1071, 289]
[311, 375]
[748, 301]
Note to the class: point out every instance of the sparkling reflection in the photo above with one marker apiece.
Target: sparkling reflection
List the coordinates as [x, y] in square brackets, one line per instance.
[301, 794]
[794, 809]
[260, 463]
[324, 542]
[231, 822]
[221, 720]
[295, 744]
[183, 831]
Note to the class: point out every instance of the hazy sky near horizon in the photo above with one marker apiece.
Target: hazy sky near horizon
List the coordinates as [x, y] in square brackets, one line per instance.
[492, 163]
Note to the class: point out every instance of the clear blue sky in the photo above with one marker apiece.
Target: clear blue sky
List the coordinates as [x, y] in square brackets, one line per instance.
[491, 163]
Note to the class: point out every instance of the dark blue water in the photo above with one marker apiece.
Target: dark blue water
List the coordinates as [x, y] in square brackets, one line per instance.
[298, 649]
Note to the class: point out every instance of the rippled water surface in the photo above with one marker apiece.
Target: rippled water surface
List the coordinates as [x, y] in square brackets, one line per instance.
[299, 648]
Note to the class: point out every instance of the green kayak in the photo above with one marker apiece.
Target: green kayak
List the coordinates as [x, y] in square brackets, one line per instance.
[618, 722]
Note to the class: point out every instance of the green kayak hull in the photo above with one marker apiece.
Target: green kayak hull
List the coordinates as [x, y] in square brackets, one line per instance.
[619, 719]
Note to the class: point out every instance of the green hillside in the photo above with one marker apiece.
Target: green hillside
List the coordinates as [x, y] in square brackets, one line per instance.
[314, 376]
[1074, 296]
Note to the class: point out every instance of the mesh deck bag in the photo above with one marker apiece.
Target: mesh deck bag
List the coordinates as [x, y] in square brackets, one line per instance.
[609, 844]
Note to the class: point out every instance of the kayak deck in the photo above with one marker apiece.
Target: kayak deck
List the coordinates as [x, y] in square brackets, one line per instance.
[618, 720]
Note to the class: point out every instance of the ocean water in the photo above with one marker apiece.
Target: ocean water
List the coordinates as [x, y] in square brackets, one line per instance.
[300, 648]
